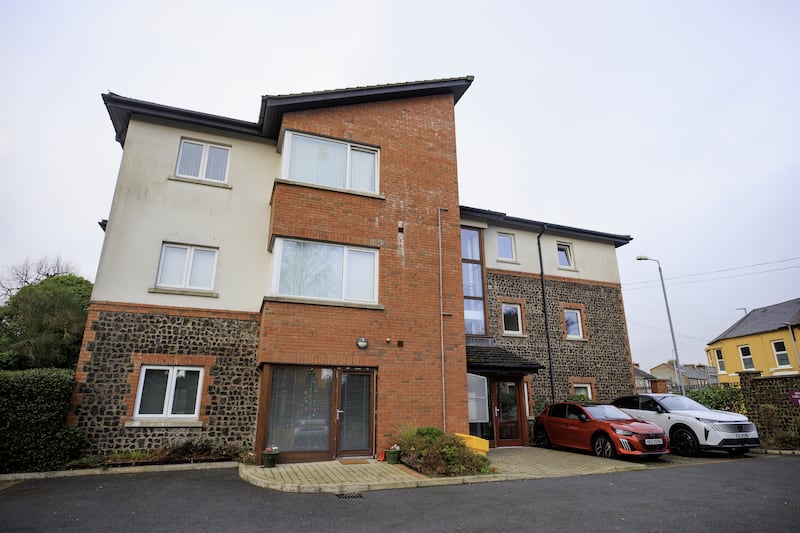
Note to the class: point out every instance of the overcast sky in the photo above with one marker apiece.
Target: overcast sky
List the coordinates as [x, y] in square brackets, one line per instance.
[677, 123]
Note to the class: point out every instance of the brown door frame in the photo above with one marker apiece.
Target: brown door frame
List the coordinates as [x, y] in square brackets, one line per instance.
[336, 404]
[495, 409]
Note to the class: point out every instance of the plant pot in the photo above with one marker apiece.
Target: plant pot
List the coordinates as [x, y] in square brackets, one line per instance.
[392, 456]
[269, 459]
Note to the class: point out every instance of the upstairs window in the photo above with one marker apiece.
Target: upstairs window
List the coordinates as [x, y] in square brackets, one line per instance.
[781, 355]
[565, 259]
[720, 360]
[187, 267]
[747, 357]
[325, 271]
[202, 161]
[169, 391]
[472, 279]
[330, 163]
[572, 323]
[512, 319]
[505, 247]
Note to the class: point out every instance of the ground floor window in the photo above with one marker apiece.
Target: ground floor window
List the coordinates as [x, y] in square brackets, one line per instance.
[168, 391]
[300, 404]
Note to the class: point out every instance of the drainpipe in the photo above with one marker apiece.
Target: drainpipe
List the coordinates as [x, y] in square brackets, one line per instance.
[441, 320]
[546, 320]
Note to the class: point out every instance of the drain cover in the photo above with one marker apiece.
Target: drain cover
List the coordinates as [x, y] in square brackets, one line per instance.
[349, 495]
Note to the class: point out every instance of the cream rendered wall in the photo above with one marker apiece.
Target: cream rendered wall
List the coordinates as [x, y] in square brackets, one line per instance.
[593, 261]
[149, 208]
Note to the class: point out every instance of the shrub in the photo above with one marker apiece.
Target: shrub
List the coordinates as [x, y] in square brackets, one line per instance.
[722, 398]
[432, 452]
[33, 437]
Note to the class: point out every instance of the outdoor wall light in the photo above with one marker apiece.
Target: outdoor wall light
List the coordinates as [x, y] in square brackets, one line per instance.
[361, 342]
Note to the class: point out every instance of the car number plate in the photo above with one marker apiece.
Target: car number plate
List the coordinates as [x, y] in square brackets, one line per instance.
[653, 442]
[742, 435]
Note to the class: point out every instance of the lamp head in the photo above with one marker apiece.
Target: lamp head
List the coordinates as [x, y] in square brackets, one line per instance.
[642, 258]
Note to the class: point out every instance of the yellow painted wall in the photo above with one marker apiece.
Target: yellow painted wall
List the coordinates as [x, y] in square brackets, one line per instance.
[764, 359]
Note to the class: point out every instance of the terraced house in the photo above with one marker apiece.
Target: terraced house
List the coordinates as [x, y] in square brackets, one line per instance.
[299, 281]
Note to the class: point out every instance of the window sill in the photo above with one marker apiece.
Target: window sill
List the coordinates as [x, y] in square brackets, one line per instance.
[515, 335]
[568, 269]
[163, 423]
[508, 261]
[197, 181]
[183, 292]
[577, 339]
[366, 194]
[314, 301]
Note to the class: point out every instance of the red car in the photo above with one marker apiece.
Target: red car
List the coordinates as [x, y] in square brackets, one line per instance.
[603, 429]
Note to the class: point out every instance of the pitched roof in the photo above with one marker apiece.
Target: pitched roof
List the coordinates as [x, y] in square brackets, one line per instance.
[639, 373]
[501, 219]
[121, 108]
[497, 359]
[764, 319]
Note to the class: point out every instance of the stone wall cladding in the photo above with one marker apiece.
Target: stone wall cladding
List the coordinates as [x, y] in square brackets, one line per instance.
[603, 355]
[772, 390]
[118, 336]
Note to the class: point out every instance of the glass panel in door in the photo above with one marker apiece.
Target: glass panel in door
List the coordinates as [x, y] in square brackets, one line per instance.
[354, 414]
[507, 414]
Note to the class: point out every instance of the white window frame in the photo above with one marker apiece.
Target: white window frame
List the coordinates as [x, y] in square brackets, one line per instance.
[785, 352]
[580, 324]
[743, 356]
[351, 147]
[278, 257]
[170, 392]
[517, 332]
[587, 386]
[568, 251]
[510, 236]
[720, 361]
[187, 267]
[203, 161]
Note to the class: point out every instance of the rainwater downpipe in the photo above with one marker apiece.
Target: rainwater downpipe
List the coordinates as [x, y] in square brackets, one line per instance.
[546, 320]
[441, 320]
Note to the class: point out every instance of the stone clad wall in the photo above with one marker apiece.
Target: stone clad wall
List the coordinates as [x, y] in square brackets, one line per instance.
[119, 338]
[604, 355]
[773, 390]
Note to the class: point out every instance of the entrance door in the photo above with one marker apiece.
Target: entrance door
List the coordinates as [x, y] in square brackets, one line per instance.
[353, 413]
[506, 409]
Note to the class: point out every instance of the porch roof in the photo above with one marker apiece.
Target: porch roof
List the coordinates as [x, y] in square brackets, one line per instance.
[497, 359]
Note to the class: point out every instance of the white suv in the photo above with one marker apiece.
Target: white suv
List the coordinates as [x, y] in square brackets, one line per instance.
[692, 426]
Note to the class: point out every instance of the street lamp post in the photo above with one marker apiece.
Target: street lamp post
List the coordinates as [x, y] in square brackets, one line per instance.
[669, 318]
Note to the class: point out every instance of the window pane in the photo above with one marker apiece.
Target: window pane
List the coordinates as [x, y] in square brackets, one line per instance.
[780, 353]
[472, 279]
[360, 276]
[470, 244]
[154, 390]
[184, 397]
[202, 275]
[318, 161]
[478, 399]
[217, 163]
[474, 317]
[564, 256]
[299, 409]
[190, 158]
[511, 322]
[312, 270]
[573, 322]
[173, 266]
[362, 170]
[505, 246]
[354, 431]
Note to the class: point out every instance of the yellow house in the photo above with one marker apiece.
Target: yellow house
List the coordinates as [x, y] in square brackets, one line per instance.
[765, 339]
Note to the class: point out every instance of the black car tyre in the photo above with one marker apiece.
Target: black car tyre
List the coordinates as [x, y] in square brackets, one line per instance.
[684, 442]
[603, 447]
[540, 437]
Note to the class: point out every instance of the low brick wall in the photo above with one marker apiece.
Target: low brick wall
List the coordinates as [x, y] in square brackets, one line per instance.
[772, 390]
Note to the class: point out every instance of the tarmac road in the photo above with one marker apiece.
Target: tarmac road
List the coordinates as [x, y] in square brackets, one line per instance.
[759, 493]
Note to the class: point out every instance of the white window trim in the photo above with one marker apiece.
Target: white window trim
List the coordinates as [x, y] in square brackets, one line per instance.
[187, 268]
[785, 351]
[511, 333]
[742, 356]
[570, 255]
[718, 356]
[278, 257]
[513, 258]
[166, 414]
[203, 162]
[580, 324]
[588, 388]
[351, 147]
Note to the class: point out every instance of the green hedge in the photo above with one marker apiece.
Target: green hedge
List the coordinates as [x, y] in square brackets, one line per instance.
[33, 408]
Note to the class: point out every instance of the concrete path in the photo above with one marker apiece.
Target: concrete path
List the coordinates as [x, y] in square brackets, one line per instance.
[352, 476]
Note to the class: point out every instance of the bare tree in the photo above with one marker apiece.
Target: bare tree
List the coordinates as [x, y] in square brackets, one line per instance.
[31, 272]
